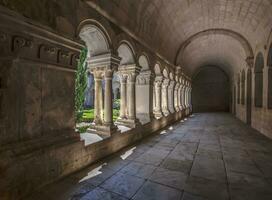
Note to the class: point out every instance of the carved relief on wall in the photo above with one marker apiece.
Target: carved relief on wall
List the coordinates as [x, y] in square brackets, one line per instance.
[36, 49]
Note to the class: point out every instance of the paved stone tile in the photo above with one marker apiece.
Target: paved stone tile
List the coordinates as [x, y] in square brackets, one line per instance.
[152, 159]
[94, 175]
[242, 180]
[123, 184]
[209, 189]
[188, 162]
[138, 169]
[209, 168]
[177, 165]
[115, 163]
[243, 168]
[210, 154]
[63, 190]
[169, 178]
[249, 194]
[101, 194]
[154, 191]
[189, 196]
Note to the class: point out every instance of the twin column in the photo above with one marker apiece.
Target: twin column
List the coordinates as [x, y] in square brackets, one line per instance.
[103, 67]
[128, 74]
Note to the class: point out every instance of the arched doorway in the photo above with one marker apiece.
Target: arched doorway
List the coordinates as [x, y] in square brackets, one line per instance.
[210, 90]
[249, 96]
[258, 93]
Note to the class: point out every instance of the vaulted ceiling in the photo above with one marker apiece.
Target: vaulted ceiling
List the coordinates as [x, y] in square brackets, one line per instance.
[166, 25]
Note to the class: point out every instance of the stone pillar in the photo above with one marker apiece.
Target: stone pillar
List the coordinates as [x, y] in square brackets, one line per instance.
[158, 93]
[180, 97]
[171, 96]
[128, 96]
[183, 97]
[123, 104]
[164, 97]
[131, 96]
[104, 64]
[144, 96]
[176, 97]
[98, 101]
[108, 98]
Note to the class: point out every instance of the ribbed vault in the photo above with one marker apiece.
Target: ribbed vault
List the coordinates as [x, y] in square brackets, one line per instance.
[167, 24]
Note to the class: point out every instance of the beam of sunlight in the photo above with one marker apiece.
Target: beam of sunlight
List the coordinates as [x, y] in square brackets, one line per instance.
[128, 153]
[93, 173]
[163, 132]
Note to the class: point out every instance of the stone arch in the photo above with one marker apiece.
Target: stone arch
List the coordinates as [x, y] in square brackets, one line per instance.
[269, 65]
[165, 73]
[243, 91]
[95, 37]
[144, 62]
[258, 70]
[158, 69]
[126, 53]
[241, 39]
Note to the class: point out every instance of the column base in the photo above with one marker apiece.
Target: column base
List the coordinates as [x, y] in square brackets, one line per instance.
[104, 130]
[158, 114]
[177, 109]
[165, 112]
[131, 123]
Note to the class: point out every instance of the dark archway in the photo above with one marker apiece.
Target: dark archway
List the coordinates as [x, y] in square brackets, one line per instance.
[211, 91]
[248, 96]
[243, 92]
[258, 70]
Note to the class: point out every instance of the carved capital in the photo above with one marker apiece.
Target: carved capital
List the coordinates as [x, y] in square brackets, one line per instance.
[250, 61]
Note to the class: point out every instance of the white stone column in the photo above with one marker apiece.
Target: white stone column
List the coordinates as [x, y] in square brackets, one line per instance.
[98, 101]
[164, 97]
[158, 93]
[180, 97]
[108, 98]
[183, 98]
[131, 96]
[123, 91]
[104, 66]
[171, 96]
[176, 97]
[129, 99]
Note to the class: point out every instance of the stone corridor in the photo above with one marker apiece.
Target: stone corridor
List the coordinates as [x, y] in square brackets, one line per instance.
[207, 156]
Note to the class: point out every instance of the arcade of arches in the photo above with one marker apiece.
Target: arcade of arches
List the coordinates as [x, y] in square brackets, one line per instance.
[195, 76]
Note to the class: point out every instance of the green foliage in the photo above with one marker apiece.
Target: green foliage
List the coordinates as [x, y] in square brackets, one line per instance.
[80, 84]
[116, 104]
[115, 114]
[88, 115]
[83, 129]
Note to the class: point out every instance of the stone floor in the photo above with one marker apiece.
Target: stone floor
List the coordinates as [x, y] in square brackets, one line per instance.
[208, 156]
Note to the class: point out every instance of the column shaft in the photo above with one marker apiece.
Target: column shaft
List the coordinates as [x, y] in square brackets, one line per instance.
[131, 97]
[123, 104]
[97, 99]
[108, 98]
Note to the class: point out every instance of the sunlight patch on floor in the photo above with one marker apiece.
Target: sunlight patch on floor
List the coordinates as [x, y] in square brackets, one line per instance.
[128, 153]
[93, 173]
